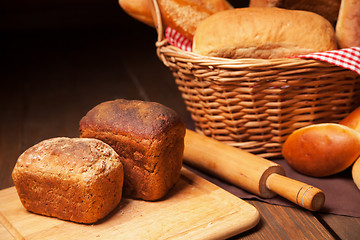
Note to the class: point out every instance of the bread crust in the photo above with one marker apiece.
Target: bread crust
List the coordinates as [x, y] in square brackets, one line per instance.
[348, 24]
[73, 179]
[181, 15]
[352, 120]
[263, 33]
[329, 9]
[321, 150]
[149, 137]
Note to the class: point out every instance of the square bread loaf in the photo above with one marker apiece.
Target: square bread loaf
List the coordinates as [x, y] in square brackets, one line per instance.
[75, 179]
[149, 137]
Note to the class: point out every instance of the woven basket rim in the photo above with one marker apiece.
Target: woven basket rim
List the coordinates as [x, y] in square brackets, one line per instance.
[164, 47]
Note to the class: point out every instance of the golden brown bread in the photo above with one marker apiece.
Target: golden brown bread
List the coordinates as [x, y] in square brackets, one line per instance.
[355, 172]
[348, 24]
[263, 33]
[73, 179]
[181, 15]
[329, 9]
[138, 9]
[149, 137]
[352, 120]
[321, 150]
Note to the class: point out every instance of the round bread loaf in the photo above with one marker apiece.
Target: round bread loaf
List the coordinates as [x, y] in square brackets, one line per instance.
[321, 150]
[75, 179]
[263, 33]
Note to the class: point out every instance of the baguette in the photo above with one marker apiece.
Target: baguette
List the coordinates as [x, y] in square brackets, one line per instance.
[348, 24]
[352, 120]
[181, 15]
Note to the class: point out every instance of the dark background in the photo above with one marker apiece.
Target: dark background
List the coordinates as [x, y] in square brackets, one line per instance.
[61, 50]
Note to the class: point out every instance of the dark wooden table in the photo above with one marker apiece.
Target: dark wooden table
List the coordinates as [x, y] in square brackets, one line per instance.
[52, 77]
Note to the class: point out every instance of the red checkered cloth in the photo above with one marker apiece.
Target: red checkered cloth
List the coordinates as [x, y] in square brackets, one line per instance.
[178, 40]
[348, 58]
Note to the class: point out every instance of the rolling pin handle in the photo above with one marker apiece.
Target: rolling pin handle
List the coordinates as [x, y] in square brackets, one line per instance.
[302, 194]
[248, 171]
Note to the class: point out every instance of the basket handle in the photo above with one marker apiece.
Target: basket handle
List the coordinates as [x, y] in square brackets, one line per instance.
[156, 15]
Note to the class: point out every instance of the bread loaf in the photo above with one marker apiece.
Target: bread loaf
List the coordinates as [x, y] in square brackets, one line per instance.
[181, 15]
[329, 9]
[138, 9]
[355, 172]
[263, 33]
[352, 120]
[73, 179]
[348, 24]
[321, 150]
[149, 137]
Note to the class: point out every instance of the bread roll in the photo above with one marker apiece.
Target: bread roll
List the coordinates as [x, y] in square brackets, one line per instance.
[149, 137]
[73, 179]
[263, 33]
[348, 24]
[138, 9]
[352, 120]
[329, 9]
[355, 172]
[181, 15]
[321, 150]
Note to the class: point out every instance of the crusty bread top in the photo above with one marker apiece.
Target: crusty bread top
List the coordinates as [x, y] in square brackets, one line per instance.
[69, 157]
[263, 33]
[181, 15]
[139, 119]
[348, 24]
[329, 9]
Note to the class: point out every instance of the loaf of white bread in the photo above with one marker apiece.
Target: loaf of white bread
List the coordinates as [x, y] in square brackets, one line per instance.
[263, 33]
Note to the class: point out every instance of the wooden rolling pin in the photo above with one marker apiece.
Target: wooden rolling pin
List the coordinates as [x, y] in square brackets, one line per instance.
[248, 171]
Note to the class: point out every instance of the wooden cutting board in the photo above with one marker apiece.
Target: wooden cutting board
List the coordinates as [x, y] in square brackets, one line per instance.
[193, 209]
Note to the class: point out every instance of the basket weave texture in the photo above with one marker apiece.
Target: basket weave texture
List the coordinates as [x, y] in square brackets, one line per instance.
[254, 104]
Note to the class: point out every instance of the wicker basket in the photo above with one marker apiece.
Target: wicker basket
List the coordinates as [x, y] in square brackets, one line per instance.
[254, 104]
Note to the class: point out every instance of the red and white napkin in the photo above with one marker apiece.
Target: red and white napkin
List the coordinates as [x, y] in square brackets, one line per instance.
[178, 40]
[348, 58]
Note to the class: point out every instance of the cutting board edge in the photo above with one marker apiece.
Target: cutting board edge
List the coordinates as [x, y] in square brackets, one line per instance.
[224, 228]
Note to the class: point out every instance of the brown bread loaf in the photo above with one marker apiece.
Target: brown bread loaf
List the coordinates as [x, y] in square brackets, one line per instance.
[150, 138]
[75, 179]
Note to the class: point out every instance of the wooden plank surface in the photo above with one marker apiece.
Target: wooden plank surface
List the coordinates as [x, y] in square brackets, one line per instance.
[193, 209]
[53, 77]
